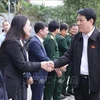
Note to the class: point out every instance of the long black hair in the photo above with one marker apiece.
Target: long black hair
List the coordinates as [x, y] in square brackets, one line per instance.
[16, 29]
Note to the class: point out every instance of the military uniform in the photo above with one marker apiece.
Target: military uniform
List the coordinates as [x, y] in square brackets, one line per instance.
[68, 72]
[51, 48]
[68, 39]
[62, 46]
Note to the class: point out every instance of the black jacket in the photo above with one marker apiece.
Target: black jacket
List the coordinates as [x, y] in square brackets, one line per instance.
[74, 54]
[3, 93]
[13, 60]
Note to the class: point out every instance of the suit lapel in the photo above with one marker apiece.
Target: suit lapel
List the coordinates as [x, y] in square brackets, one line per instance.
[42, 46]
[24, 53]
[23, 50]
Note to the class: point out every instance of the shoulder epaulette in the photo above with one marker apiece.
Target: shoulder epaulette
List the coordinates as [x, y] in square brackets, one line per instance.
[62, 36]
[51, 37]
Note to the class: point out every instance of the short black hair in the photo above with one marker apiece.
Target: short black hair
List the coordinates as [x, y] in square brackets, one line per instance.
[39, 25]
[53, 25]
[63, 26]
[88, 13]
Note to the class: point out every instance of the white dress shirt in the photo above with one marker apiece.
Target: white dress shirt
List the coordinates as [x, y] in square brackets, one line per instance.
[27, 57]
[84, 59]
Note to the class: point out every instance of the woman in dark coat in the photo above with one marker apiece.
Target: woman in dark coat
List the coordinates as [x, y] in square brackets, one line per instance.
[3, 93]
[13, 57]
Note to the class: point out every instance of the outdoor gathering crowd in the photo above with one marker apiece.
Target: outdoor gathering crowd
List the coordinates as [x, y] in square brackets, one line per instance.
[58, 61]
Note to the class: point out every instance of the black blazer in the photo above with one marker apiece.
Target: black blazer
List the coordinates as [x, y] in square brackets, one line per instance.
[13, 60]
[3, 93]
[74, 54]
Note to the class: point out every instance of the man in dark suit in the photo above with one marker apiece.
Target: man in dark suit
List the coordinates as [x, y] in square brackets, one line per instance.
[37, 53]
[84, 53]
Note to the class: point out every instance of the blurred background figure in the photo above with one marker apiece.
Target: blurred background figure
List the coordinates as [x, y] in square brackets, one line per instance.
[73, 29]
[62, 46]
[6, 27]
[3, 93]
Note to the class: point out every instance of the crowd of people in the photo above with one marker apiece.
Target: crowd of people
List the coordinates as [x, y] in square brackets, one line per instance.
[58, 61]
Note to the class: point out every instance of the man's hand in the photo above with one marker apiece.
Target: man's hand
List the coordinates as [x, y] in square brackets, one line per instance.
[51, 63]
[30, 81]
[58, 72]
[47, 66]
[63, 69]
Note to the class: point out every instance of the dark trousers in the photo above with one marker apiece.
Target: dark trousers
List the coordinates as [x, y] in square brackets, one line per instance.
[50, 90]
[82, 92]
[3, 93]
[13, 88]
[1, 88]
[66, 83]
[37, 91]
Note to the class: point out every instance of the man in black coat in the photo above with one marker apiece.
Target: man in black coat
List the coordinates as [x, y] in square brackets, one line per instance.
[84, 53]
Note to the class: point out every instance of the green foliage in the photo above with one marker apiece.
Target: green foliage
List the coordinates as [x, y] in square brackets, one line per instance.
[5, 5]
[2, 8]
[34, 12]
[63, 13]
[73, 6]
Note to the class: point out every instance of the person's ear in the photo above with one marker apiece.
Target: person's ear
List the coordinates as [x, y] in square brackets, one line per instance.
[92, 21]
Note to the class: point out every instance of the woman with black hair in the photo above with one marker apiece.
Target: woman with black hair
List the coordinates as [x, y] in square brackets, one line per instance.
[14, 57]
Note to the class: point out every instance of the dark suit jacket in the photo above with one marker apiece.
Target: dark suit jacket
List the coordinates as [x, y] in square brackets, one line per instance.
[3, 93]
[37, 53]
[74, 54]
[14, 64]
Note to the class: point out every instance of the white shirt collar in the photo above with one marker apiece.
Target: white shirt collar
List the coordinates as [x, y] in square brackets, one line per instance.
[41, 40]
[21, 43]
[89, 34]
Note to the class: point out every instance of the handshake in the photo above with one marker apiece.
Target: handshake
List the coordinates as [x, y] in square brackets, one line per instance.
[49, 67]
